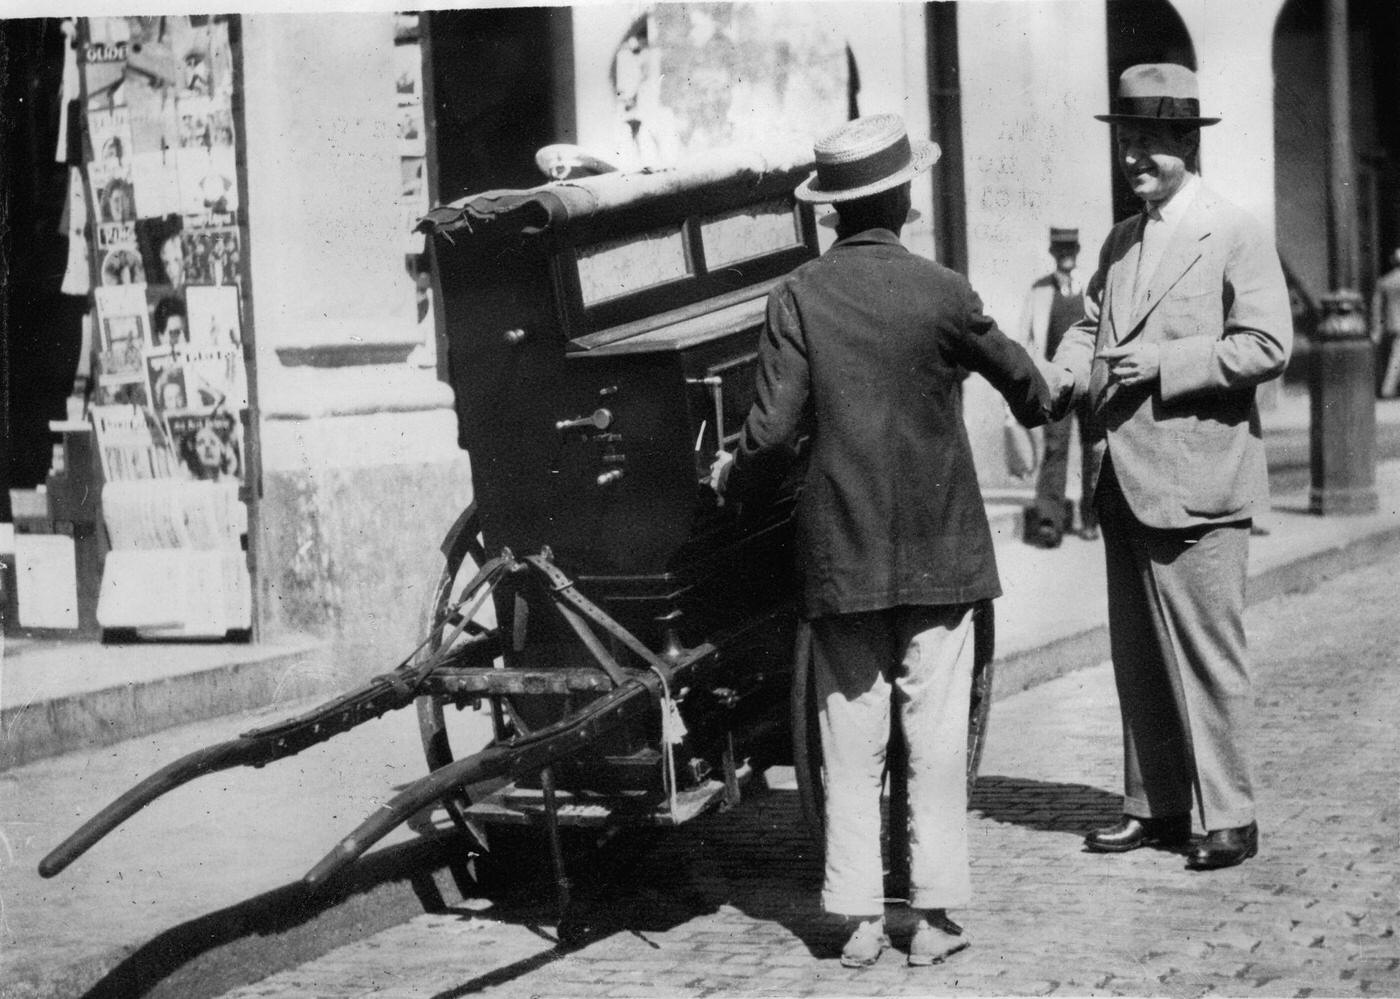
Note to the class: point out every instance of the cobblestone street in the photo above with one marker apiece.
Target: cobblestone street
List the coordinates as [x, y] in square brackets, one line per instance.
[727, 905]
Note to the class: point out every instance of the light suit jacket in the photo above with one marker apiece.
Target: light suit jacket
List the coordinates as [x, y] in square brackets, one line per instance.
[1187, 448]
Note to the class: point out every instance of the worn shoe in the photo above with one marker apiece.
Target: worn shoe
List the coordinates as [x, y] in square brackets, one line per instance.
[866, 943]
[1090, 533]
[1225, 848]
[936, 938]
[1046, 535]
[1132, 833]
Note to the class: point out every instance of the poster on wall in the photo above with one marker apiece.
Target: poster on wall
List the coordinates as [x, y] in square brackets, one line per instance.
[689, 77]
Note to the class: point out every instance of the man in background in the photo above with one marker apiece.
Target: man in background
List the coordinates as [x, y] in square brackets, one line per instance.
[1385, 329]
[1054, 304]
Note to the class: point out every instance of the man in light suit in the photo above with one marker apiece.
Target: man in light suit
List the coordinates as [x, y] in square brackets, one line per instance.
[1186, 314]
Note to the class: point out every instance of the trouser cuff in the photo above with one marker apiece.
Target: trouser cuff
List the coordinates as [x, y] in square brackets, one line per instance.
[855, 906]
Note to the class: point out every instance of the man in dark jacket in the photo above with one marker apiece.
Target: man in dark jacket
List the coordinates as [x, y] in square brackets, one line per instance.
[866, 349]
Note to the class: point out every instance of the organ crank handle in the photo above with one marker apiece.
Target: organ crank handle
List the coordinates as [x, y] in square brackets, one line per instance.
[599, 419]
[715, 383]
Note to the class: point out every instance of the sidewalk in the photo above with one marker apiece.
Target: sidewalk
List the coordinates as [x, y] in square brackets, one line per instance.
[204, 880]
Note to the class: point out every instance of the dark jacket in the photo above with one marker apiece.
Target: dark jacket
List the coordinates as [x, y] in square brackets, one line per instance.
[867, 348]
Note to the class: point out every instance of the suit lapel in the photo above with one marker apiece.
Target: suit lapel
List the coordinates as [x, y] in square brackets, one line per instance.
[1182, 252]
[1113, 325]
[1121, 287]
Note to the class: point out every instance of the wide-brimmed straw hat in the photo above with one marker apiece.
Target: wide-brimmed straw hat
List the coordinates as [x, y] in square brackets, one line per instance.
[864, 157]
[1157, 92]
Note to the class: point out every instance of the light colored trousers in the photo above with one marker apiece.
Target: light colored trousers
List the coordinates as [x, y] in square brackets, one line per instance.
[1176, 632]
[921, 657]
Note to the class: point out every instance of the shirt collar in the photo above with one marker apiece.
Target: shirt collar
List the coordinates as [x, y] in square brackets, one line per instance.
[1172, 210]
[870, 236]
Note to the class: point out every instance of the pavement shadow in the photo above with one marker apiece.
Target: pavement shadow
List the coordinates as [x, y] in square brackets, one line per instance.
[210, 955]
[757, 859]
[1046, 806]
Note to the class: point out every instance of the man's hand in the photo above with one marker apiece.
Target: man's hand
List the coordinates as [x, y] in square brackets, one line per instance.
[1061, 385]
[719, 472]
[1135, 364]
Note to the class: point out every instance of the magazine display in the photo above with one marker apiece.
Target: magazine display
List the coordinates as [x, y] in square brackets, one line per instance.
[170, 392]
[168, 246]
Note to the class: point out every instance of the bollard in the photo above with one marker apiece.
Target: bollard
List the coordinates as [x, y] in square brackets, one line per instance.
[1341, 390]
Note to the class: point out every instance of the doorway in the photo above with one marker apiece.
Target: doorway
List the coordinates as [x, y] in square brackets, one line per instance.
[43, 327]
[1140, 32]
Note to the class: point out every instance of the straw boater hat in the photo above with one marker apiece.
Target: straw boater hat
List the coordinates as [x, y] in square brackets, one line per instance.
[1064, 237]
[864, 157]
[1157, 92]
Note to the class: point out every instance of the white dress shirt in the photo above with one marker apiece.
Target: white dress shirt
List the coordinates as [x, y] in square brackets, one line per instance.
[1163, 217]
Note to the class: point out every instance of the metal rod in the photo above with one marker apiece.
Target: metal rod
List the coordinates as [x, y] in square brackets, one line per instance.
[1341, 181]
[556, 847]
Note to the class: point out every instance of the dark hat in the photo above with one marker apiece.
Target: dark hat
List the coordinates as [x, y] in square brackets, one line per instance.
[1064, 237]
[864, 157]
[1157, 92]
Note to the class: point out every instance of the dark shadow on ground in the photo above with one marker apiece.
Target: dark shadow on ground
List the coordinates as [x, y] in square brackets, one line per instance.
[1045, 806]
[756, 858]
[281, 928]
[759, 860]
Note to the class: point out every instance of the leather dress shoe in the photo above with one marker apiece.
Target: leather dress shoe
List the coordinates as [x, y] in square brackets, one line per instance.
[1132, 833]
[1090, 533]
[1225, 848]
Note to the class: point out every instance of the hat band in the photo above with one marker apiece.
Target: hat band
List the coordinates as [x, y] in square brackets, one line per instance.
[1159, 107]
[852, 174]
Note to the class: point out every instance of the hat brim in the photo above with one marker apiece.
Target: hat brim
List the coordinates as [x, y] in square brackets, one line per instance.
[923, 155]
[1145, 119]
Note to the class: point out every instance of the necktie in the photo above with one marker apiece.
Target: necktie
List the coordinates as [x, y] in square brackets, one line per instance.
[1150, 254]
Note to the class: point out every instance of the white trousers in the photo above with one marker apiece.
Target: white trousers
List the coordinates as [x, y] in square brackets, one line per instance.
[921, 658]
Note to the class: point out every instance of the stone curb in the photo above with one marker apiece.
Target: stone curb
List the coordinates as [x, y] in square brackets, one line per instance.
[86, 720]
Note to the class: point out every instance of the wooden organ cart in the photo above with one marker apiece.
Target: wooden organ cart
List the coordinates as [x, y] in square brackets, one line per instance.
[644, 654]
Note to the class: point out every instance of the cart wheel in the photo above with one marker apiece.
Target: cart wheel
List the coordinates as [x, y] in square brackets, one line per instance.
[806, 735]
[432, 720]
[979, 715]
[806, 732]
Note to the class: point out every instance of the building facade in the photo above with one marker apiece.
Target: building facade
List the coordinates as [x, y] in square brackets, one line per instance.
[354, 469]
